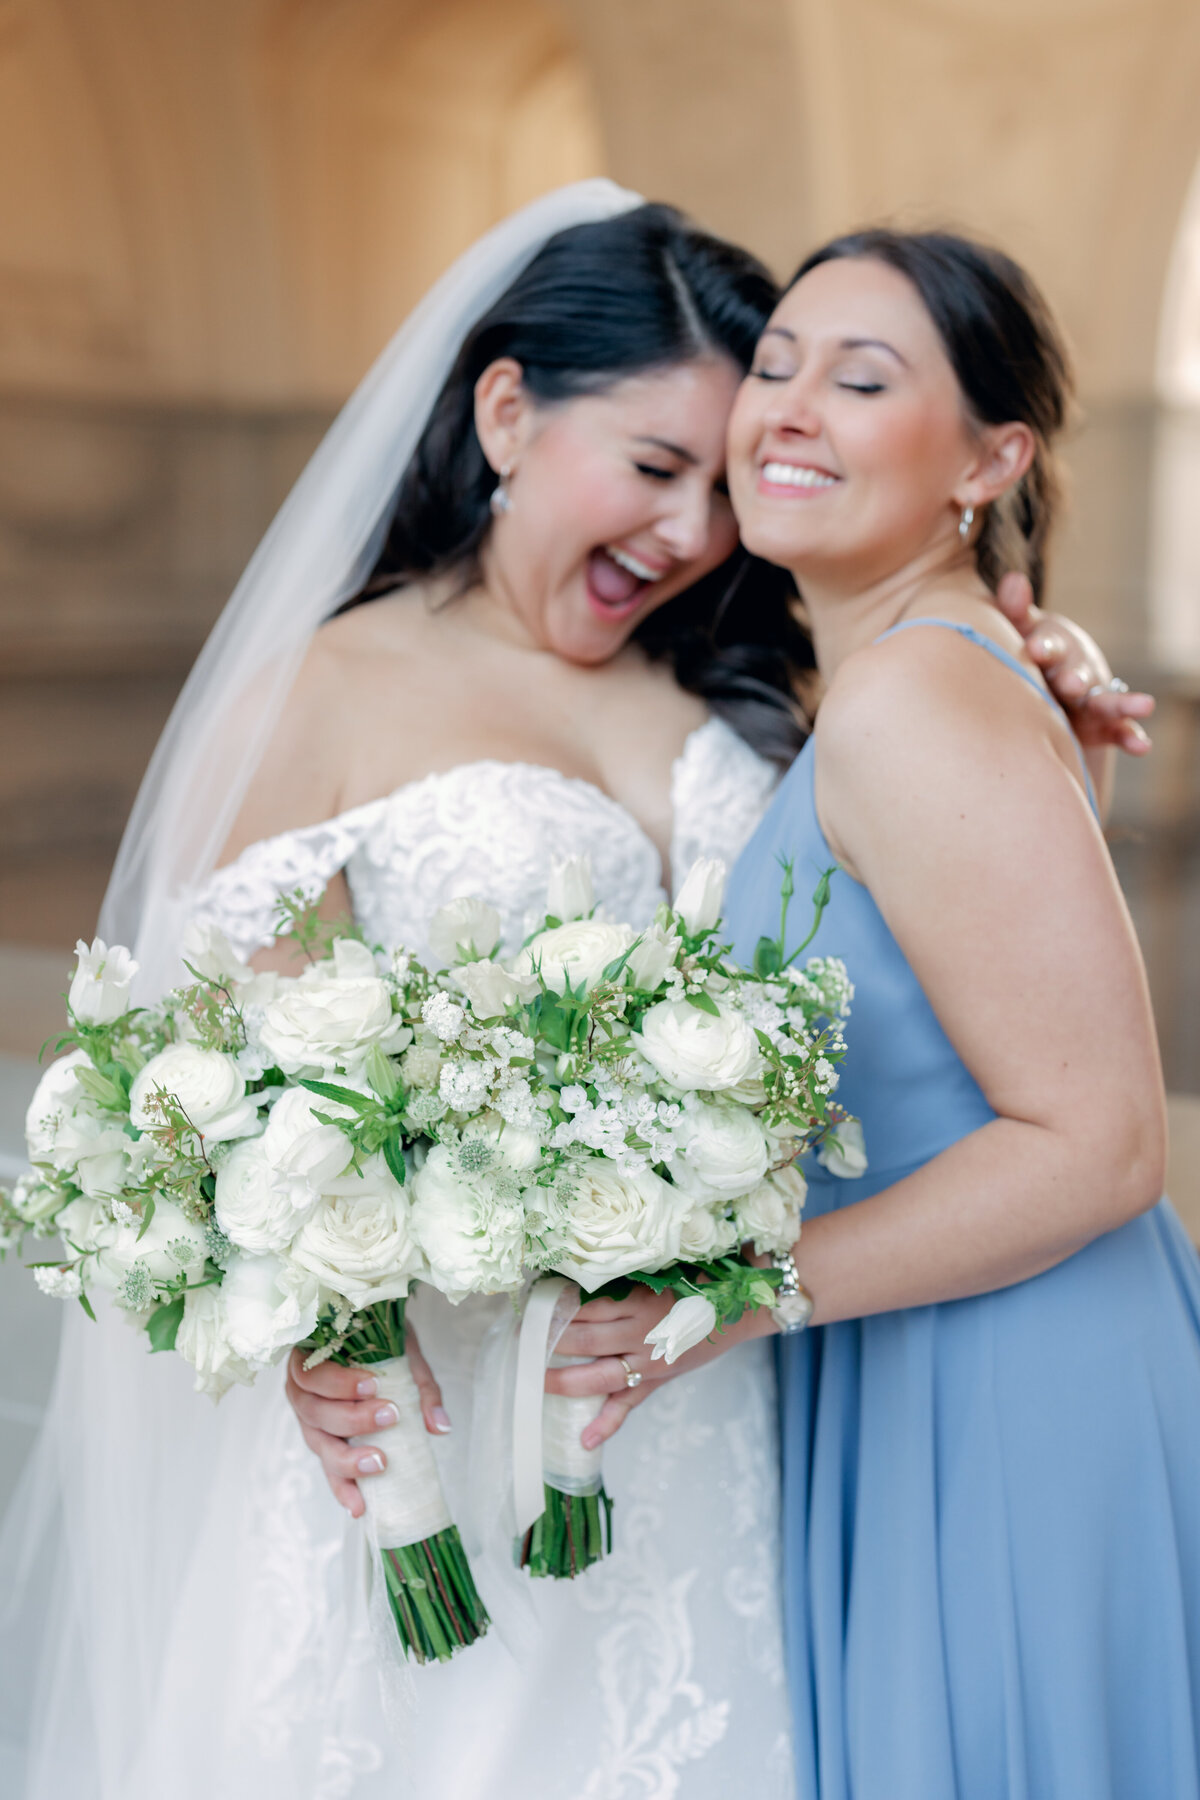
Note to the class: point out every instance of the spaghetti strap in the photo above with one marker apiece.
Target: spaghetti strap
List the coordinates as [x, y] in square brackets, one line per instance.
[1009, 660]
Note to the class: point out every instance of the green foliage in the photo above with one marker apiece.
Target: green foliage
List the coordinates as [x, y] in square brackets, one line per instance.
[298, 917]
[376, 1125]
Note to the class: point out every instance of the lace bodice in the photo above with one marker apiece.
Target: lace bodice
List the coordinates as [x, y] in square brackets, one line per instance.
[495, 829]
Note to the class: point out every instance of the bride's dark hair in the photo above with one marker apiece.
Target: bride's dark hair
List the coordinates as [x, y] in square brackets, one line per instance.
[600, 302]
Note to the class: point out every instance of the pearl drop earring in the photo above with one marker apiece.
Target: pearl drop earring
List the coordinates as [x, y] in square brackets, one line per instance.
[966, 522]
[501, 500]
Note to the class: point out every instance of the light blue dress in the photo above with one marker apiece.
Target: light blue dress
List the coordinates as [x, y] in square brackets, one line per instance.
[991, 1506]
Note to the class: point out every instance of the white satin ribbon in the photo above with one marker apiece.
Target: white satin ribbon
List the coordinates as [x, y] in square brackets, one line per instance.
[405, 1502]
[552, 1304]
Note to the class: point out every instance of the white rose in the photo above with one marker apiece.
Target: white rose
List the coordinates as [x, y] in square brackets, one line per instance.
[695, 1050]
[570, 894]
[707, 1233]
[463, 928]
[724, 1152]
[171, 1245]
[698, 902]
[203, 1341]
[86, 1225]
[208, 1085]
[211, 954]
[329, 1017]
[359, 1241]
[472, 1241]
[304, 1153]
[55, 1098]
[491, 989]
[254, 1209]
[269, 1306]
[616, 1223]
[688, 1323]
[100, 985]
[770, 1214]
[652, 957]
[577, 953]
[843, 1150]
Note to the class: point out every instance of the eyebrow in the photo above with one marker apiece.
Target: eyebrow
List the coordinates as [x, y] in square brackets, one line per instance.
[687, 456]
[862, 343]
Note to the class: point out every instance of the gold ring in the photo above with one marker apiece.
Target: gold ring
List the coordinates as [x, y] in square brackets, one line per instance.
[632, 1377]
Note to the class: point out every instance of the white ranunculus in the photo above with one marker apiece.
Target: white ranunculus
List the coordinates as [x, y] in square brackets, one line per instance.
[86, 1225]
[55, 1099]
[688, 1323]
[254, 1209]
[304, 1153]
[208, 1085]
[270, 1305]
[100, 985]
[707, 1233]
[466, 928]
[693, 1050]
[698, 902]
[570, 894]
[618, 1222]
[172, 1244]
[329, 1017]
[491, 989]
[577, 953]
[769, 1216]
[472, 1241]
[359, 1241]
[652, 956]
[723, 1152]
[210, 953]
[203, 1341]
[844, 1151]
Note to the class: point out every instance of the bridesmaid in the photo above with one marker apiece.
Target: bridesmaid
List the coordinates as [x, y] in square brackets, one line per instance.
[992, 1423]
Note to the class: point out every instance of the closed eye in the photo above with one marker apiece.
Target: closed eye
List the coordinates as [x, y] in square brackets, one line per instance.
[862, 387]
[769, 375]
[655, 473]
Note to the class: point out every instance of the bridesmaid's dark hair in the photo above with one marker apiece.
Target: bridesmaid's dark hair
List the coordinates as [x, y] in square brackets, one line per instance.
[1008, 354]
[599, 302]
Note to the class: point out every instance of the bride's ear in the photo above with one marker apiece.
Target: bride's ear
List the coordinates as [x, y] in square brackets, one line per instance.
[502, 412]
[1005, 453]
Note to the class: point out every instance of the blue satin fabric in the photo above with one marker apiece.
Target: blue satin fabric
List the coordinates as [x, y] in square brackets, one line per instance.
[991, 1506]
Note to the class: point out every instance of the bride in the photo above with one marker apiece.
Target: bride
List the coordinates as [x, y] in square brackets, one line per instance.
[565, 654]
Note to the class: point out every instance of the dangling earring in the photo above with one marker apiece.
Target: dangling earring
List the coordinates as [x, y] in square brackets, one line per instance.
[966, 522]
[501, 500]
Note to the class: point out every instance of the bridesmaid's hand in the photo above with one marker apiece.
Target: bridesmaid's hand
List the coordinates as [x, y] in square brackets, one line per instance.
[334, 1403]
[1073, 663]
[609, 1330]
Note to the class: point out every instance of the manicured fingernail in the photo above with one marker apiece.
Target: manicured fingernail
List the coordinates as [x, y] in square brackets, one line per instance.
[367, 1388]
[387, 1415]
[440, 1419]
[590, 1439]
[371, 1465]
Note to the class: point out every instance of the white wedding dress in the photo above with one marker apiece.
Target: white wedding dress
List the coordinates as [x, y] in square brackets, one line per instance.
[657, 1674]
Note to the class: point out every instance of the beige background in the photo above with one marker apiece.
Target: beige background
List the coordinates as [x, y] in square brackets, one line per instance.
[213, 216]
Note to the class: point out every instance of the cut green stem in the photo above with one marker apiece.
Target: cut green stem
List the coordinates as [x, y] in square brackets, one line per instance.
[574, 1532]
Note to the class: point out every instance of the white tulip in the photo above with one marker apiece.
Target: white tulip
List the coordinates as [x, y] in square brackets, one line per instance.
[570, 894]
[210, 953]
[843, 1150]
[208, 1086]
[652, 956]
[698, 902]
[100, 985]
[464, 929]
[688, 1323]
[694, 1050]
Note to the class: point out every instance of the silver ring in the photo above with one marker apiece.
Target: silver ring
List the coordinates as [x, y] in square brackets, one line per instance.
[632, 1377]
[1115, 686]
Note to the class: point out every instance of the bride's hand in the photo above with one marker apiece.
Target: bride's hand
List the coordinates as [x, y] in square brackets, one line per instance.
[1073, 664]
[614, 1333]
[334, 1403]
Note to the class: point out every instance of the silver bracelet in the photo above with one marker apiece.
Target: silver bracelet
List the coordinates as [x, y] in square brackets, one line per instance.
[793, 1303]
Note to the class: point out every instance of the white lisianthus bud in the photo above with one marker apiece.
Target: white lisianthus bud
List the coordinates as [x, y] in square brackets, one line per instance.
[694, 1050]
[843, 1150]
[100, 985]
[769, 1216]
[208, 1085]
[463, 931]
[203, 1341]
[577, 953]
[305, 1153]
[211, 954]
[698, 902]
[652, 956]
[254, 1209]
[688, 1323]
[618, 1222]
[359, 1241]
[269, 1306]
[570, 894]
[491, 989]
[723, 1153]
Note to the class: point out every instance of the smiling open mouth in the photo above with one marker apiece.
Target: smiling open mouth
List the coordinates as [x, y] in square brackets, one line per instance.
[617, 580]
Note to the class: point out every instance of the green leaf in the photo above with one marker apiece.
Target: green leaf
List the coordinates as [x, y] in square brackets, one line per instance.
[162, 1326]
[147, 1216]
[393, 1156]
[329, 1090]
[87, 1306]
[381, 1074]
[704, 1003]
[616, 967]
